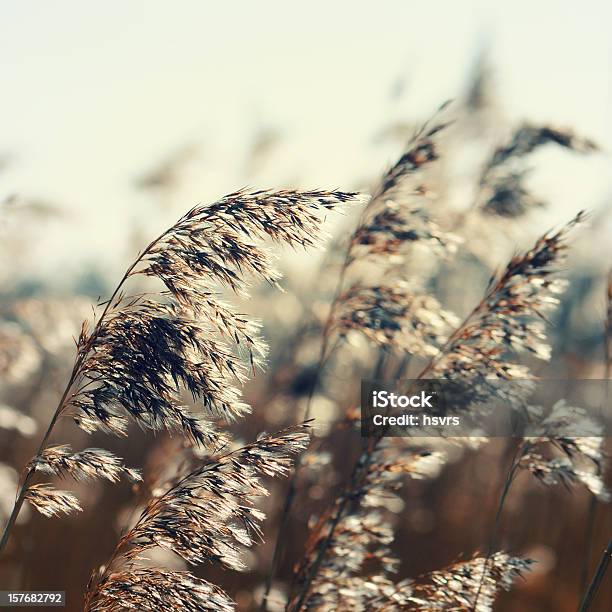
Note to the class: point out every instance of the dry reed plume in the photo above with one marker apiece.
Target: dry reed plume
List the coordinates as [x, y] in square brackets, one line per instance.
[502, 183]
[208, 515]
[146, 349]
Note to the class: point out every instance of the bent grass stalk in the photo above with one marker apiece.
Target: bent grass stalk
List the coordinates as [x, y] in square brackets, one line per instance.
[154, 345]
[64, 400]
[600, 573]
[196, 518]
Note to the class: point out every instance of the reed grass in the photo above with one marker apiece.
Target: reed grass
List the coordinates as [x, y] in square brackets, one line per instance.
[176, 358]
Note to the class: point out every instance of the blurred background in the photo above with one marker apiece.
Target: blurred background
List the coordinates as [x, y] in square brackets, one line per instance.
[117, 118]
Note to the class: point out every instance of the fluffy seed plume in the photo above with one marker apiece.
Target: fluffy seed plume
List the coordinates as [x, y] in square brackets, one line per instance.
[527, 138]
[216, 242]
[511, 316]
[208, 515]
[143, 359]
[155, 589]
[421, 150]
[87, 464]
[395, 228]
[578, 459]
[502, 184]
[357, 531]
[144, 351]
[460, 585]
[394, 317]
[50, 501]
[390, 223]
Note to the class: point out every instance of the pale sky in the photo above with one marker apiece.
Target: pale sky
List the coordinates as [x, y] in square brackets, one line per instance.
[93, 94]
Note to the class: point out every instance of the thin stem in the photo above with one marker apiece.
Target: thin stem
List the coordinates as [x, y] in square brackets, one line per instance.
[588, 546]
[600, 572]
[402, 367]
[381, 363]
[516, 461]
